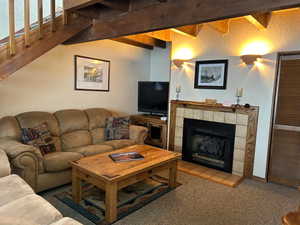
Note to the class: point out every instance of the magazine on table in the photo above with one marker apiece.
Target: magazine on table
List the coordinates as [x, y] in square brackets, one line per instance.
[125, 157]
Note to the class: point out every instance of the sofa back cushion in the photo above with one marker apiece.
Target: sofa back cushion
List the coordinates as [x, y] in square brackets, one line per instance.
[71, 120]
[76, 139]
[74, 128]
[97, 120]
[10, 128]
[34, 119]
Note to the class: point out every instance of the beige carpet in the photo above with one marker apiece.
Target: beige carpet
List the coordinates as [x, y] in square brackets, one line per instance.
[202, 202]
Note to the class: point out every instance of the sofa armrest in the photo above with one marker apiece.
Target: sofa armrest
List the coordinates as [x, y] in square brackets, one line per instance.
[14, 148]
[4, 164]
[26, 160]
[138, 133]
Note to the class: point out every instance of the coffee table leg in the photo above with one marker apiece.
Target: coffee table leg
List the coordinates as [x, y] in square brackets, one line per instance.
[111, 198]
[76, 187]
[173, 174]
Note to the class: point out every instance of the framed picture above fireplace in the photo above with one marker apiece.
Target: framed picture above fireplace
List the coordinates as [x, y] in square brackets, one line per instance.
[211, 74]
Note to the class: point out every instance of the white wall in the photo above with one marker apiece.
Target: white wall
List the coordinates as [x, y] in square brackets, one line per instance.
[160, 64]
[47, 84]
[283, 34]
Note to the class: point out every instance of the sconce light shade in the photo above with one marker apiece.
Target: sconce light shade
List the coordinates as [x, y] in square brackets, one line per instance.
[250, 59]
[179, 62]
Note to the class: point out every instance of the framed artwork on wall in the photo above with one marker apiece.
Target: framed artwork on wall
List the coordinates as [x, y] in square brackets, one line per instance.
[211, 74]
[91, 74]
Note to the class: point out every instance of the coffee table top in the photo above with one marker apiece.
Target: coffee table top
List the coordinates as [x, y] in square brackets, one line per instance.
[106, 169]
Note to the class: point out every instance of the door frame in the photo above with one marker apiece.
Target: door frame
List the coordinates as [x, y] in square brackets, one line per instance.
[274, 104]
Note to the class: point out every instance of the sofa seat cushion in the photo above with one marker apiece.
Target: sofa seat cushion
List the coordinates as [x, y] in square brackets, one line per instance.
[66, 221]
[12, 187]
[32, 209]
[58, 161]
[116, 144]
[93, 149]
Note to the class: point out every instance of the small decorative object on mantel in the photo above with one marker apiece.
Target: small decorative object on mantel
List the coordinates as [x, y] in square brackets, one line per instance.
[247, 106]
[239, 94]
[211, 74]
[91, 74]
[211, 101]
[178, 90]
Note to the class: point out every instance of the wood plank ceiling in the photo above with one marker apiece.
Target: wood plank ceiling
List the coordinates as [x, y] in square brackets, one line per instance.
[143, 23]
[149, 23]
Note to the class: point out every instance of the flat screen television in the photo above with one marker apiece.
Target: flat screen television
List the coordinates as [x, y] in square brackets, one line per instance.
[153, 97]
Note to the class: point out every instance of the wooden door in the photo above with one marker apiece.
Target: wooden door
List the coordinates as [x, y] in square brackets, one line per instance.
[284, 167]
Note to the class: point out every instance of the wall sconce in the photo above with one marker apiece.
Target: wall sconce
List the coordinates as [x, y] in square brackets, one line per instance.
[250, 59]
[179, 62]
[181, 56]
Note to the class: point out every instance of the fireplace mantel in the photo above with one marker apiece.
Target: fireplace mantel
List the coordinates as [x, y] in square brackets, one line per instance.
[213, 107]
[244, 118]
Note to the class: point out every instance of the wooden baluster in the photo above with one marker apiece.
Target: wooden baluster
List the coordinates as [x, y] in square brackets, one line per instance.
[27, 23]
[40, 18]
[53, 15]
[12, 40]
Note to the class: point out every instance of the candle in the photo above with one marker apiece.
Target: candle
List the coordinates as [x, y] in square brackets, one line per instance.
[178, 88]
[239, 92]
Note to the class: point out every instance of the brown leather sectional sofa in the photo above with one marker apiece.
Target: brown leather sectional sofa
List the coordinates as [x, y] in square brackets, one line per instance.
[77, 133]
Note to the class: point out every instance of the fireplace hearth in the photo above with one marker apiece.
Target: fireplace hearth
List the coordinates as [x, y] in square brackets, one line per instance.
[209, 143]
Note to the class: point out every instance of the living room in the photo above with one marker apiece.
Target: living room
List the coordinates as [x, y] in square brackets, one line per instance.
[261, 186]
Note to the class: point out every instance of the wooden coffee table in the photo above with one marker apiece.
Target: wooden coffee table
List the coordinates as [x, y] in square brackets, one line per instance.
[110, 176]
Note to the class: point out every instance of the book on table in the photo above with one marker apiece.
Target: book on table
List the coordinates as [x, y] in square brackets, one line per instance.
[126, 157]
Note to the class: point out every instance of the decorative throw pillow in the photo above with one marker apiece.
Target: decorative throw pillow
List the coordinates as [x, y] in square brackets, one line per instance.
[117, 128]
[40, 137]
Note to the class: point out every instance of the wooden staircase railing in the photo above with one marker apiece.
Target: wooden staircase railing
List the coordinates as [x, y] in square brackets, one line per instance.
[21, 48]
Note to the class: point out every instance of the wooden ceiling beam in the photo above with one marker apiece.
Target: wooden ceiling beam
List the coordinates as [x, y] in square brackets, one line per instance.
[259, 20]
[121, 5]
[141, 40]
[221, 26]
[190, 30]
[175, 14]
[78, 4]
[164, 35]
[92, 12]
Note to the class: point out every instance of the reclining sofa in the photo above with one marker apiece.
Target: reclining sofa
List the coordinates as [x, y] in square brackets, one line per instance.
[77, 133]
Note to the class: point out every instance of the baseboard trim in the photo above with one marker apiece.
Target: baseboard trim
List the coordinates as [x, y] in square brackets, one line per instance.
[263, 180]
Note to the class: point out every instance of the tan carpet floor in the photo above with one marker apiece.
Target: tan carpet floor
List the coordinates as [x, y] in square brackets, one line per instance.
[202, 202]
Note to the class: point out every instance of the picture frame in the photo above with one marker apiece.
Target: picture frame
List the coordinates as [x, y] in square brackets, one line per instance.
[211, 74]
[91, 74]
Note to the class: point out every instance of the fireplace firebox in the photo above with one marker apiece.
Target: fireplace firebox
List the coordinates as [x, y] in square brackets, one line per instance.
[208, 143]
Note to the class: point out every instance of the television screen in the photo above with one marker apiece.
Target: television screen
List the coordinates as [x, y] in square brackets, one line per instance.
[153, 97]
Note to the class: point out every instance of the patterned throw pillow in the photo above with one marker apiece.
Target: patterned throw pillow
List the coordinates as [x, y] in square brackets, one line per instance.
[40, 137]
[117, 128]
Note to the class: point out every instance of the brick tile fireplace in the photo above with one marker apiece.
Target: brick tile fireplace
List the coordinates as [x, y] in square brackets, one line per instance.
[243, 120]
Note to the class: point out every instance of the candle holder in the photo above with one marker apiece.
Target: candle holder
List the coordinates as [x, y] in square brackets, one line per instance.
[239, 94]
[178, 90]
[238, 100]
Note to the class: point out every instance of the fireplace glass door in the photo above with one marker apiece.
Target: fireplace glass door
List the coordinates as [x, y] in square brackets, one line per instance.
[209, 143]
